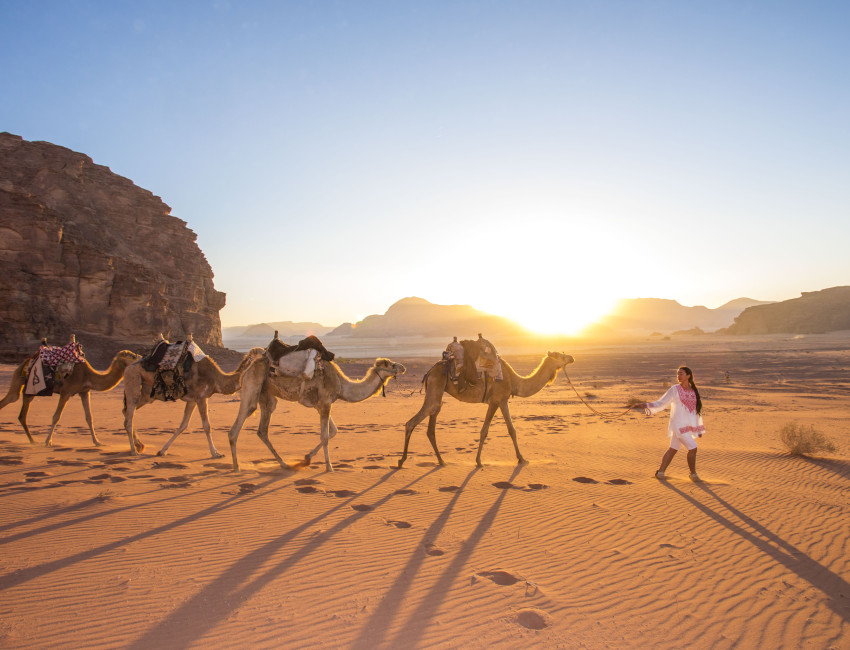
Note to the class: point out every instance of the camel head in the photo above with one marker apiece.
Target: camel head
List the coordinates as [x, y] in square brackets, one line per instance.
[125, 357]
[392, 369]
[561, 359]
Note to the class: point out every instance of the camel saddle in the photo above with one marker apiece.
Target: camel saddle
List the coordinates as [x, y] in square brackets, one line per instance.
[475, 358]
[170, 362]
[50, 366]
[277, 348]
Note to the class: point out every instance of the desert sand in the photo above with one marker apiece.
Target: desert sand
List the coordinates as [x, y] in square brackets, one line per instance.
[579, 548]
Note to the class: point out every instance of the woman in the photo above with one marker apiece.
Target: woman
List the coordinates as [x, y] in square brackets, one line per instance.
[685, 419]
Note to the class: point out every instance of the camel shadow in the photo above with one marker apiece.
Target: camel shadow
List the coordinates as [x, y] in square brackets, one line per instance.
[833, 586]
[230, 590]
[373, 632]
[9, 580]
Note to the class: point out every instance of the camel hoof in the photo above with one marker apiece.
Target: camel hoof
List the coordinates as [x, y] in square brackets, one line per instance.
[307, 460]
[161, 452]
[218, 455]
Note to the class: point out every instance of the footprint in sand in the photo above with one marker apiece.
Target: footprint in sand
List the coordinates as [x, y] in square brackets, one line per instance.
[503, 485]
[107, 477]
[538, 486]
[159, 464]
[247, 488]
[342, 494]
[343, 466]
[399, 524]
[619, 481]
[533, 619]
[499, 577]
[11, 460]
[307, 489]
[405, 491]
[37, 474]
[585, 479]
[219, 465]
[307, 481]
[449, 488]
[433, 551]
[372, 467]
[362, 507]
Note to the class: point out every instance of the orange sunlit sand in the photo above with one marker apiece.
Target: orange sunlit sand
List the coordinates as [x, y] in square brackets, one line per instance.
[580, 547]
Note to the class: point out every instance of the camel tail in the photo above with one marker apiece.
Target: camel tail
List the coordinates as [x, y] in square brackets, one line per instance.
[19, 380]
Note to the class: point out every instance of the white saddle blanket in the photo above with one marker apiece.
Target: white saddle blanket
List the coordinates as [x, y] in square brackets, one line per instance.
[301, 363]
[492, 368]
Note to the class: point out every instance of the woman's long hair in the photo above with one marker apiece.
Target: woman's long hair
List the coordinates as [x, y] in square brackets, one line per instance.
[693, 387]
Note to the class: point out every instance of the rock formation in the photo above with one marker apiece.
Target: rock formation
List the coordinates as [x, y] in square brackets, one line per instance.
[418, 317]
[85, 251]
[814, 312]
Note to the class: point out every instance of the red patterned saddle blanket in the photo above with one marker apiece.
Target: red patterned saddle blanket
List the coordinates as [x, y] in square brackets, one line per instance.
[54, 355]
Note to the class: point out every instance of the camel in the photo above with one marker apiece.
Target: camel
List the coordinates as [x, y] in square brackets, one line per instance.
[320, 392]
[81, 381]
[203, 380]
[497, 396]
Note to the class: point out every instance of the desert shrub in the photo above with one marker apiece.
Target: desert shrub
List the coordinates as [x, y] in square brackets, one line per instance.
[803, 441]
[634, 401]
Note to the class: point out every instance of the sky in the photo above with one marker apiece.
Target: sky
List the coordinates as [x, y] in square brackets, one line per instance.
[538, 160]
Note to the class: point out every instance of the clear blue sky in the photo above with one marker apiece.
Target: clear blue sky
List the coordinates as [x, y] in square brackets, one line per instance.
[534, 159]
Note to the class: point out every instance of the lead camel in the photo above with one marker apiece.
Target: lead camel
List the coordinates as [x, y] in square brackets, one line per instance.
[497, 395]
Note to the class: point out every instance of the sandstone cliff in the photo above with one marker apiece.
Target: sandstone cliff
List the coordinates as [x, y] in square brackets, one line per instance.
[814, 312]
[85, 251]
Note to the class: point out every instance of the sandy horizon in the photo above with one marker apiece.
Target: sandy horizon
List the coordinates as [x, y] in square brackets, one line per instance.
[580, 547]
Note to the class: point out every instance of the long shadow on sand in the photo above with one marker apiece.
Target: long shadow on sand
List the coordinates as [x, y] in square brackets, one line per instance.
[373, 632]
[221, 597]
[832, 585]
[30, 573]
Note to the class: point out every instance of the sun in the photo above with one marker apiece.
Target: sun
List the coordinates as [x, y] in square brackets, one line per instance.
[566, 318]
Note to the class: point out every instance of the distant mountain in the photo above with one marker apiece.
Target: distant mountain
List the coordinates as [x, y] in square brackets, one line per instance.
[418, 317]
[244, 337]
[645, 315]
[814, 312]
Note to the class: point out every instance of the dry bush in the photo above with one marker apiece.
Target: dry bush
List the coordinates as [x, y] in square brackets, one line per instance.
[804, 441]
[634, 401]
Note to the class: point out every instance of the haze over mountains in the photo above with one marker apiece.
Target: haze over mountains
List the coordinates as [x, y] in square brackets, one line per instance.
[416, 317]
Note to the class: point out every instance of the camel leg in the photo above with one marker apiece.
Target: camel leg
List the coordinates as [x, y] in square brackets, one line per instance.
[246, 409]
[63, 400]
[324, 423]
[431, 410]
[506, 413]
[136, 445]
[22, 416]
[268, 403]
[332, 431]
[432, 436]
[491, 411]
[205, 420]
[187, 415]
[85, 398]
